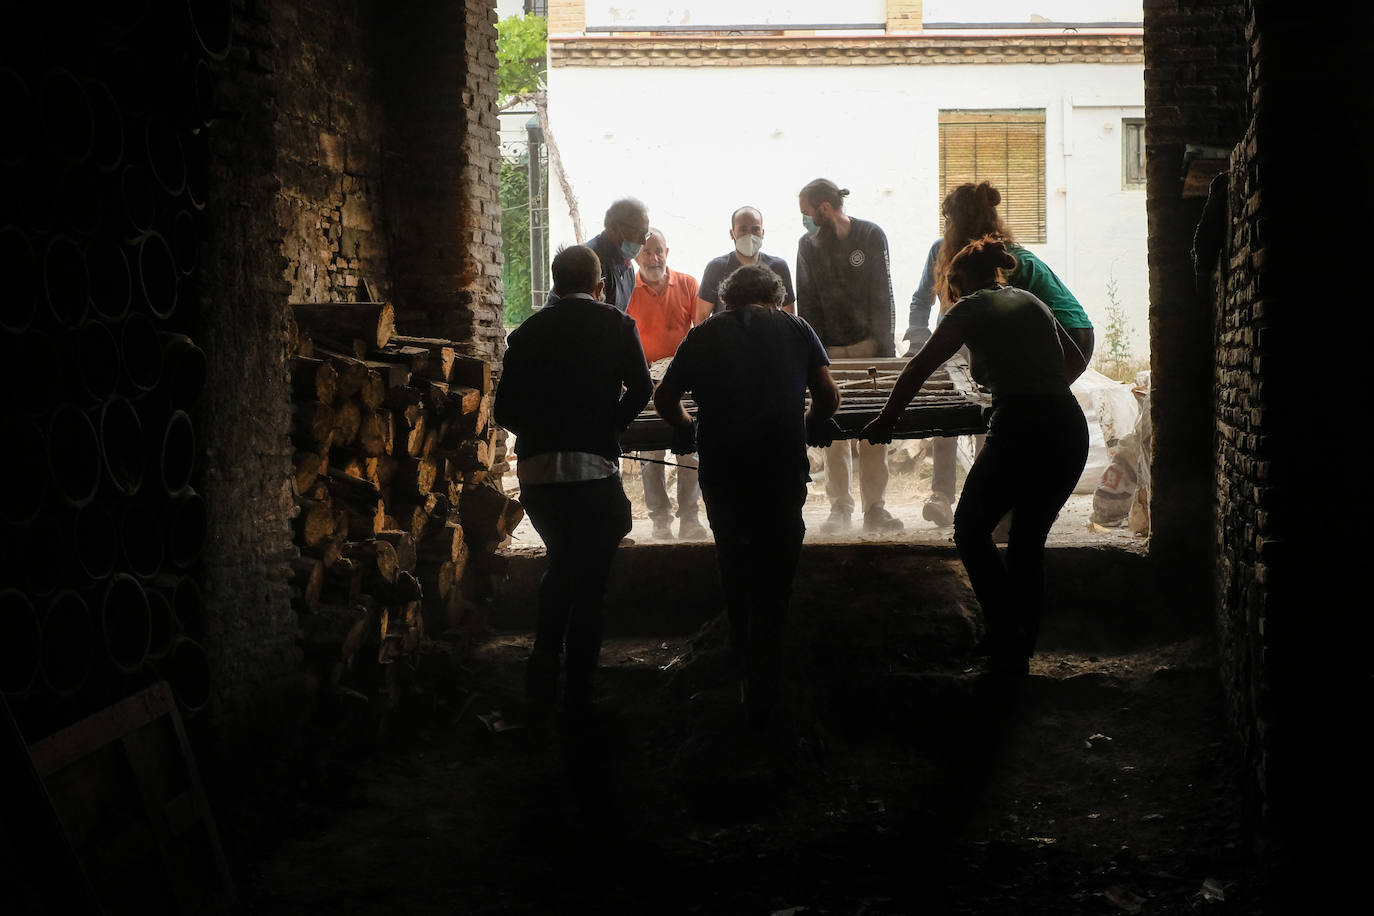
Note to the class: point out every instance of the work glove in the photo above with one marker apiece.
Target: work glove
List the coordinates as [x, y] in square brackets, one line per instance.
[823, 433]
[684, 439]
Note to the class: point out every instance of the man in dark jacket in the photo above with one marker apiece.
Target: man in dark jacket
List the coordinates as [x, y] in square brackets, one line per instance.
[844, 290]
[573, 378]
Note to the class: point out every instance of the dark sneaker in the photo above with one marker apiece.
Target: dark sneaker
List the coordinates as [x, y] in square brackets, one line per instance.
[881, 520]
[838, 521]
[938, 511]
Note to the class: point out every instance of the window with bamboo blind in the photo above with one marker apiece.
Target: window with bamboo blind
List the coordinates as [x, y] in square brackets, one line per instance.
[1003, 147]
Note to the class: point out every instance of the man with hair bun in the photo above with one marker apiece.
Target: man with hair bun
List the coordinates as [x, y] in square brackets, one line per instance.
[748, 370]
[568, 464]
[844, 289]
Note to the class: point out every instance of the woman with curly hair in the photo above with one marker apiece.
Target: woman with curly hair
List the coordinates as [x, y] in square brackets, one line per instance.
[1036, 445]
[970, 212]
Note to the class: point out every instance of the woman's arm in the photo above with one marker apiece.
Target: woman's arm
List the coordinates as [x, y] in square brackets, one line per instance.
[946, 340]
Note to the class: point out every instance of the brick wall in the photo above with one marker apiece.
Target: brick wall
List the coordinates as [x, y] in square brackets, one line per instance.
[363, 144]
[251, 628]
[1296, 658]
[442, 171]
[567, 17]
[904, 15]
[1194, 93]
[329, 137]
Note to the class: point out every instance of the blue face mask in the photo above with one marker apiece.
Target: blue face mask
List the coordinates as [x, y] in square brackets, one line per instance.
[810, 226]
[630, 249]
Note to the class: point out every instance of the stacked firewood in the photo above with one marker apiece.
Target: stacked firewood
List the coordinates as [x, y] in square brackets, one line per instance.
[399, 510]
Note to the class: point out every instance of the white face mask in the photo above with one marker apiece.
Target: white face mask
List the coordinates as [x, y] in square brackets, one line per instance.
[748, 245]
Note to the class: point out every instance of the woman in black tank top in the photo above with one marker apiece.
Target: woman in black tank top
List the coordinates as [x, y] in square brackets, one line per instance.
[1036, 446]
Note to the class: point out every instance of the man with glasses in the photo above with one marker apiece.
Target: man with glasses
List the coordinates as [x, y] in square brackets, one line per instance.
[625, 231]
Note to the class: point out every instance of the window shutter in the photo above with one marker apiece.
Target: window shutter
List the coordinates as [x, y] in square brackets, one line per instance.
[1006, 148]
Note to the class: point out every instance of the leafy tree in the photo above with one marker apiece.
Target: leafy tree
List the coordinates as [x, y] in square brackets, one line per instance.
[515, 240]
[522, 44]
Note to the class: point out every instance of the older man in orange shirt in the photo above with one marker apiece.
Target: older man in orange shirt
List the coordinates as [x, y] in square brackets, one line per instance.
[664, 309]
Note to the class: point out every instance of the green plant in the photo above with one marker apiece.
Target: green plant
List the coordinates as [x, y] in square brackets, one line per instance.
[1114, 358]
[515, 240]
[521, 51]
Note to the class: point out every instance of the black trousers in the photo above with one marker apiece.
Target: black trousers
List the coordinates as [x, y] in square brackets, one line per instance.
[1029, 464]
[581, 524]
[758, 529]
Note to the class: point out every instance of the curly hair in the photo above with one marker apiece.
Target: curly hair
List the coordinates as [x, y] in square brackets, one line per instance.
[970, 212]
[979, 263]
[752, 284]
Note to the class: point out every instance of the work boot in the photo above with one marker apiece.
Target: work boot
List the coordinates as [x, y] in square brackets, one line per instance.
[663, 528]
[838, 521]
[937, 510]
[879, 519]
[691, 529]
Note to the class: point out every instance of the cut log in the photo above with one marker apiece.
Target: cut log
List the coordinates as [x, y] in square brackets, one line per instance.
[342, 583]
[471, 455]
[307, 581]
[313, 379]
[447, 544]
[314, 523]
[352, 373]
[329, 551]
[312, 426]
[404, 544]
[348, 418]
[373, 393]
[489, 515]
[375, 433]
[373, 322]
[377, 559]
[415, 477]
[334, 631]
[308, 467]
[414, 359]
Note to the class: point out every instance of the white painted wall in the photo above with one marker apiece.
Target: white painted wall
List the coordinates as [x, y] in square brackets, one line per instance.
[696, 143]
[1032, 11]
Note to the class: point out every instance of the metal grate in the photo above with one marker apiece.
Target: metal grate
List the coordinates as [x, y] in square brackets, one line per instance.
[949, 404]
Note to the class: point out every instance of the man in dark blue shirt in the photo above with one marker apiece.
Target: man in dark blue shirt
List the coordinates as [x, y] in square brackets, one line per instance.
[748, 370]
[573, 378]
[625, 230]
[746, 231]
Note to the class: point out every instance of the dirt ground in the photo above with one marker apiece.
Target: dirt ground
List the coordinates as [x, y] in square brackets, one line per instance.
[903, 781]
[1097, 785]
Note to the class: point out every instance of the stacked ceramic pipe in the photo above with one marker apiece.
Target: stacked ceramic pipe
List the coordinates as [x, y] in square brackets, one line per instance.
[103, 176]
[399, 511]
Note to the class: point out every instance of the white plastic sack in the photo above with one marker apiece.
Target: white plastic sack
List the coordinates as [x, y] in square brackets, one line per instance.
[1111, 411]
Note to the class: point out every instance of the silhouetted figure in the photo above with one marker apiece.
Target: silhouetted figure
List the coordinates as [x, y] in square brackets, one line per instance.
[1036, 444]
[573, 378]
[748, 370]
